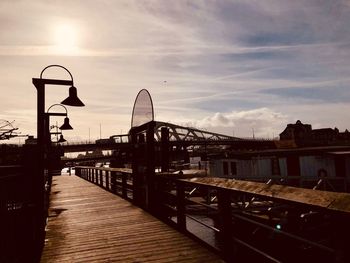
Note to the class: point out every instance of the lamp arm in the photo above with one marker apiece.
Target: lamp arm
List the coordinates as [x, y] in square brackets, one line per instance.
[41, 74]
[57, 104]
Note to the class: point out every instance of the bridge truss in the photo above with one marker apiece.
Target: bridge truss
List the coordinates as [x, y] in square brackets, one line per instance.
[181, 133]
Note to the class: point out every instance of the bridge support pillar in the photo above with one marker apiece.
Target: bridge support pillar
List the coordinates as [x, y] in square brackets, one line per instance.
[150, 167]
[143, 164]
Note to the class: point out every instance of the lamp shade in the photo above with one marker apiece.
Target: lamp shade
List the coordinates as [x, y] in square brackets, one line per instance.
[66, 125]
[62, 139]
[73, 99]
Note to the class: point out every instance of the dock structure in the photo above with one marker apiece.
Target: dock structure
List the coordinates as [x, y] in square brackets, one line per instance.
[88, 224]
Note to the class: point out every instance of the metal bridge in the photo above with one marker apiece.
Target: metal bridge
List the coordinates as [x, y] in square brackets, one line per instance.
[178, 136]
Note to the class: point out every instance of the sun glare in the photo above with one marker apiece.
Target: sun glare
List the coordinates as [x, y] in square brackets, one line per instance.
[65, 39]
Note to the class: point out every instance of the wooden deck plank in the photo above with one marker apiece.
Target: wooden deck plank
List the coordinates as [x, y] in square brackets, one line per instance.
[88, 224]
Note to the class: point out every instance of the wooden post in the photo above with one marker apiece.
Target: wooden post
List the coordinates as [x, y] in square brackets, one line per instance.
[165, 149]
[150, 167]
[78, 171]
[341, 233]
[181, 205]
[113, 182]
[225, 220]
[107, 180]
[37, 228]
[101, 178]
[135, 167]
[124, 185]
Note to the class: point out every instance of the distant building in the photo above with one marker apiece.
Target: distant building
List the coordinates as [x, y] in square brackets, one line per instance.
[31, 140]
[300, 166]
[302, 157]
[304, 135]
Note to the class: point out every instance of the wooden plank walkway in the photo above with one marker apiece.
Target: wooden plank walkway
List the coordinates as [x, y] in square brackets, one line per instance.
[89, 224]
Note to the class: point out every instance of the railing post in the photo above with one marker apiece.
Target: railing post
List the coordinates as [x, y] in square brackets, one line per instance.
[136, 176]
[107, 180]
[181, 205]
[100, 183]
[124, 185]
[78, 171]
[97, 176]
[225, 220]
[113, 182]
[164, 149]
[342, 232]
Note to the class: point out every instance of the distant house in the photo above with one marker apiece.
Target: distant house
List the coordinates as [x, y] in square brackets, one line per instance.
[304, 135]
[303, 155]
[297, 131]
[31, 140]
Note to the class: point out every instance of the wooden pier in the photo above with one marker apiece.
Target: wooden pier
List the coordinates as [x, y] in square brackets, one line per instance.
[88, 224]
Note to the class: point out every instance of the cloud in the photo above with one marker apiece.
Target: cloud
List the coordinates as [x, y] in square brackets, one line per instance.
[264, 122]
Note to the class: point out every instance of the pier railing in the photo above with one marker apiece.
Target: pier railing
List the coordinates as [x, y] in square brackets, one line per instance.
[330, 183]
[242, 220]
[19, 228]
[116, 180]
[24, 202]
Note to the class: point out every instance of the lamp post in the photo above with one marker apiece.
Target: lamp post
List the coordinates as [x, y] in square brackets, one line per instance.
[61, 139]
[40, 171]
[56, 133]
[66, 125]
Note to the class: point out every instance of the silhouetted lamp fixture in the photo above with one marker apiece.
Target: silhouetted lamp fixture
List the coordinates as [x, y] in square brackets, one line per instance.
[61, 139]
[73, 99]
[56, 133]
[66, 125]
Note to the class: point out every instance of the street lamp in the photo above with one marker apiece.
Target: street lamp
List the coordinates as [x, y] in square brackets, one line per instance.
[71, 100]
[66, 125]
[61, 139]
[40, 173]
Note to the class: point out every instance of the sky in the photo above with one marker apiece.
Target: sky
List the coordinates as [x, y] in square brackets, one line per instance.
[233, 67]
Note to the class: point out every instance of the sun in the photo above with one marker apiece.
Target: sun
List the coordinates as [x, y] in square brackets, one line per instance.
[66, 39]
